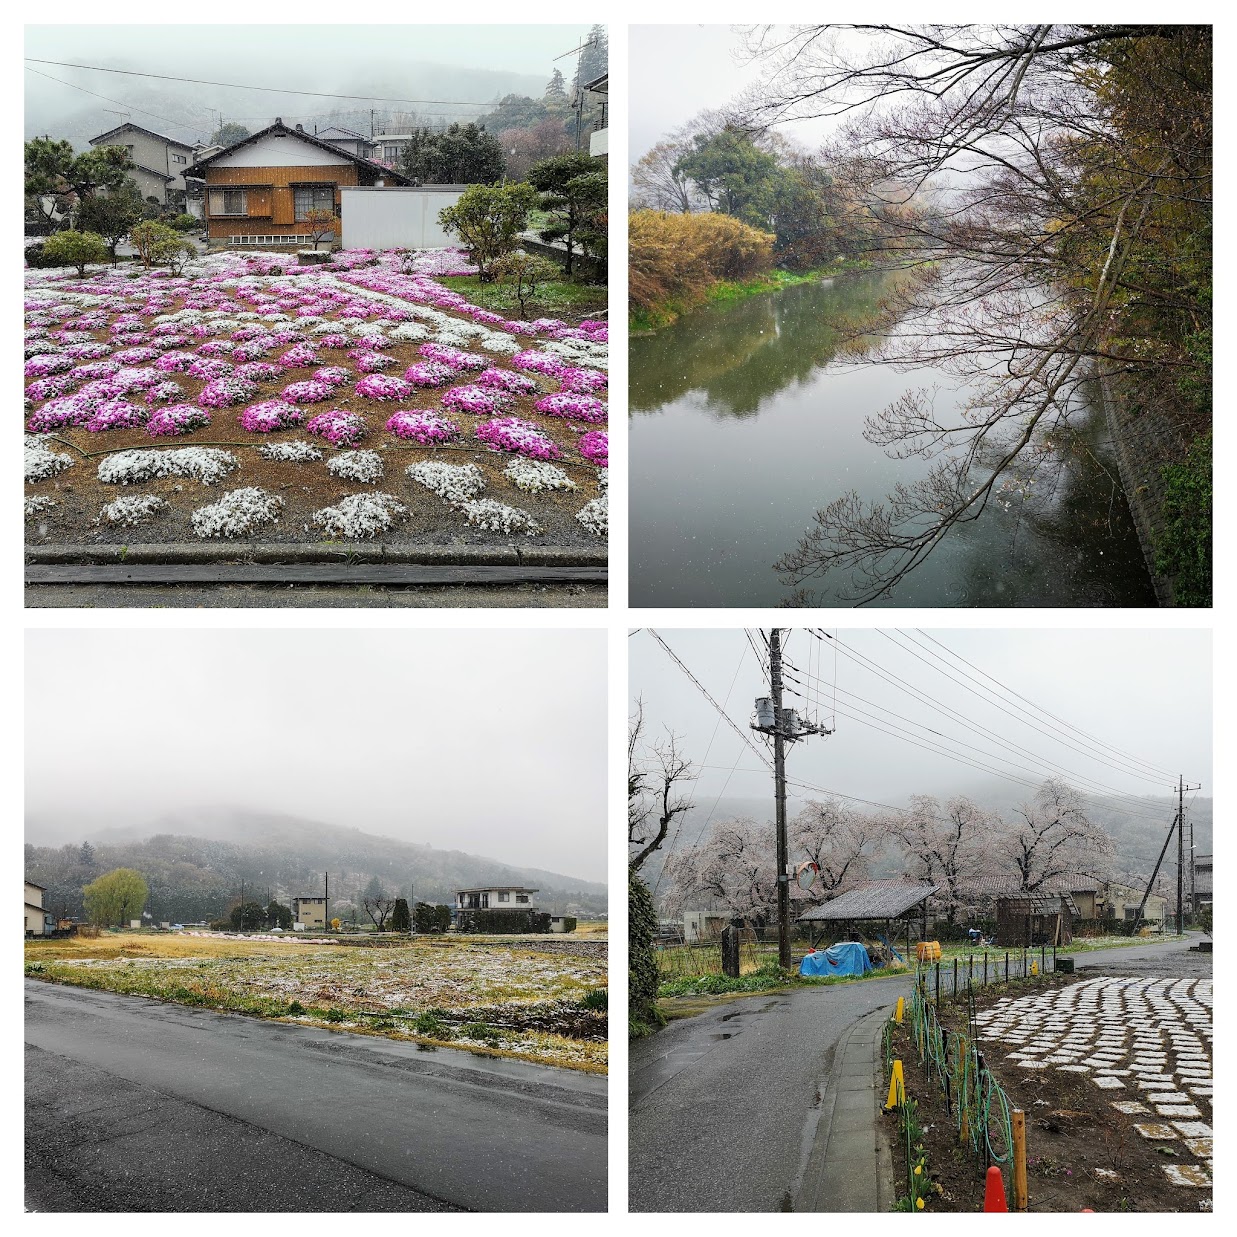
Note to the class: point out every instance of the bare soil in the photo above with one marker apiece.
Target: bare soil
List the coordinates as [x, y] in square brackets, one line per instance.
[1074, 1135]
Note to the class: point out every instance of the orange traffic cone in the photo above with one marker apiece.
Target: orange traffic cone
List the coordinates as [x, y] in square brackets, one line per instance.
[994, 1191]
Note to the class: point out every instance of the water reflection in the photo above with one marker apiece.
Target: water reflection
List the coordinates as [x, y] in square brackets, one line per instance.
[743, 426]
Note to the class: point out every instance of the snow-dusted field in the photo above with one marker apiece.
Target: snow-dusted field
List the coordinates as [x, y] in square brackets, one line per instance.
[309, 397]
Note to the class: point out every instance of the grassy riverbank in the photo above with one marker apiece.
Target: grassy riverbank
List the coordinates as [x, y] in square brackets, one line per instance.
[727, 290]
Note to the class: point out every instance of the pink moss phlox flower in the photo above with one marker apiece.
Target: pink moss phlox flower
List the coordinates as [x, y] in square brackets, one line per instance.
[57, 413]
[89, 350]
[177, 419]
[507, 380]
[260, 371]
[216, 347]
[166, 342]
[582, 381]
[512, 434]
[51, 387]
[595, 447]
[163, 392]
[454, 357]
[422, 427]
[336, 375]
[243, 333]
[209, 368]
[340, 428]
[333, 341]
[47, 363]
[270, 415]
[227, 392]
[383, 387]
[429, 374]
[126, 380]
[579, 407]
[311, 391]
[136, 356]
[299, 357]
[176, 362]
[373, 343]
[371, 362]
[475, 399]
[117, 414]
[539, 363]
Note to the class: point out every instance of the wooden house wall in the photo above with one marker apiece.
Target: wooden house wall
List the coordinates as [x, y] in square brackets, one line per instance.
[270, 191]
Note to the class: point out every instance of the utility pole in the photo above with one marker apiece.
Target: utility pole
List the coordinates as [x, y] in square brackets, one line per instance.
[326, 901]
[779, 793]
[785, 727]
[1181, 789]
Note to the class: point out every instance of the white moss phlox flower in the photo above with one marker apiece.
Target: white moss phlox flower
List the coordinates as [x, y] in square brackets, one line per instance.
[537, 476]
[41, 461]
[457, 483]
[595, 516]
[205, 464]
[295, 450]
[496, 517]
[131, 509]
[237, 513]
[360, 515]
[356, 465]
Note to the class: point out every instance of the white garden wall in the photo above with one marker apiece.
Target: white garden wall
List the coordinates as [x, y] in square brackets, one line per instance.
[395, 217]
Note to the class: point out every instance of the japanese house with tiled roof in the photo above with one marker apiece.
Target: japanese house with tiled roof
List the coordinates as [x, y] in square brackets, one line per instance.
[260, 190]
[159, 162]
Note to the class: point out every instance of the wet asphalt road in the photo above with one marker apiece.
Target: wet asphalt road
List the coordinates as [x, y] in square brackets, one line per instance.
[724, 1106]
[134, 1104]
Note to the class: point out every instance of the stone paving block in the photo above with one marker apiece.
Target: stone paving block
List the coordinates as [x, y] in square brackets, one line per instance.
[1107, 1082]
[1188, 1174]
[1177, 1110]
[1200, 1147]
[1132, 1107]
[1156, 1130]
[1192, 1129]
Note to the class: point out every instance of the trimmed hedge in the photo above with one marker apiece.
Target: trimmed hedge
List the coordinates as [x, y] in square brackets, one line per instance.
[504, 922]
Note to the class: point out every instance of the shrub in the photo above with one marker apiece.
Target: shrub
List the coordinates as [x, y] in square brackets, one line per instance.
[158, 244]
[642, 974]
[500, 922]
[522, 272]
[677, 258]
[431, 917]
[75, 249]
[184, 223]
[487, 219]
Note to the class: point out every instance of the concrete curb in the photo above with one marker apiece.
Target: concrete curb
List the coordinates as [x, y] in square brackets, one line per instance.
[181, 552]
[850, 1167]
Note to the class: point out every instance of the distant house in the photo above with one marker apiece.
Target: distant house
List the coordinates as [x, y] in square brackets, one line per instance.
[38, 921]
[496, 898]
[346, 139]
[703, 925]
[389, 147]
[309, 912]
[599, 139]
[260, 190]
[161, 161]
[1202, 880]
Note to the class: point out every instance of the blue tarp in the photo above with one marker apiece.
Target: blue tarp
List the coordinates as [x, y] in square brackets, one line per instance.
[848, 958]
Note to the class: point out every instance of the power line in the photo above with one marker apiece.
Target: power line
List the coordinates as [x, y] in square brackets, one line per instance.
[194, 81]
[129, 107]
[700, 688]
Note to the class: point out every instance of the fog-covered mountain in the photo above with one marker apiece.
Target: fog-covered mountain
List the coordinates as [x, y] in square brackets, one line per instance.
[194, 863]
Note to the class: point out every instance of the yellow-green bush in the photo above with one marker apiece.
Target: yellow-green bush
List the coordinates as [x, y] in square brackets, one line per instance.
[675, 259]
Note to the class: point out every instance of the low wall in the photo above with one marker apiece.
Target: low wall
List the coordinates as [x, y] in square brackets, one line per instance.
[1145, 439]
[395, 217]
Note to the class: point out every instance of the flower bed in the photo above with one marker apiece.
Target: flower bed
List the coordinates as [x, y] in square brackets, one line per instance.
[124, 356]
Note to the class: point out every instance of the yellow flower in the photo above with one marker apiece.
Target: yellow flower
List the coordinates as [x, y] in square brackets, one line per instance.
[918, 1169]
[919, 1204]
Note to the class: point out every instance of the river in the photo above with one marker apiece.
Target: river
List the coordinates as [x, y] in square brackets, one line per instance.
[743, 425]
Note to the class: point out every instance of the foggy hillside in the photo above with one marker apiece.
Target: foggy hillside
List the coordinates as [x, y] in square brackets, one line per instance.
[194, 864]
[191, 113]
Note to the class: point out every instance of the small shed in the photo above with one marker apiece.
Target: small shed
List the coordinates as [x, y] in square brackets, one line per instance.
[878, 902]
[1035, 919]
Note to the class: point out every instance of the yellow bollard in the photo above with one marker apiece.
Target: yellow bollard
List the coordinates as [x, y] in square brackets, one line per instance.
[897, 1087]
[1018, 1124]
[897, 1013]
[1034, 968]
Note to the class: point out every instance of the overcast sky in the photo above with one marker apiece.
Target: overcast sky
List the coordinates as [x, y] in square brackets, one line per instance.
[1146, 693]
[440, 62]
[491, 742]
[678, 71]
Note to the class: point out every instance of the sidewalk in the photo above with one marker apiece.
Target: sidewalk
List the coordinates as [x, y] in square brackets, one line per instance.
[850, 1167]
